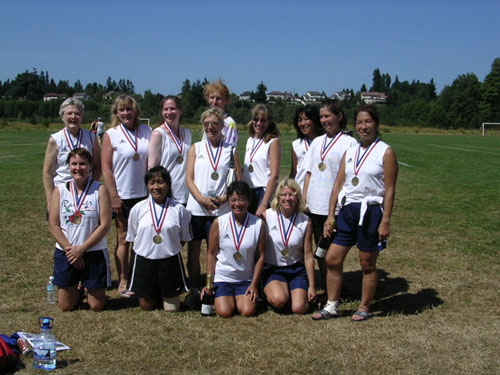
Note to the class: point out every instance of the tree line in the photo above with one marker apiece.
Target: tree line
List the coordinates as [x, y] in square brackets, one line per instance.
[464, 104]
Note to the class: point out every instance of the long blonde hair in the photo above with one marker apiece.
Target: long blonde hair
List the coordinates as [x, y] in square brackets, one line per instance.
[125, 100]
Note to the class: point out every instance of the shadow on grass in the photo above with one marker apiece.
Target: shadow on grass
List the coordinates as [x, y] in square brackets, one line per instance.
[115, 304]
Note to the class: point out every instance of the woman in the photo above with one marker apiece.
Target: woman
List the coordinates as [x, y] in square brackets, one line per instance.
[80, 218]
[308, 127]
[289, 269]
[157, 227]
[207, 167]
[124, 163]
[236, 254]
[322, 164]
[217, 96]
[55, 167]
[364, 189]
[169, 146]
[262, 159]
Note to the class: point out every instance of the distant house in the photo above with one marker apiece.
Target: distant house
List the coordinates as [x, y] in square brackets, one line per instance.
[313, 96]
[108, 97]
[82, 96]
[275, 95]
[373, 97]
[53, 96]
[341, 95]
[245, 95]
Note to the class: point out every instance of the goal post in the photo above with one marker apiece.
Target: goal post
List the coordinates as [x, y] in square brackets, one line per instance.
[145, 121]
[484, 124]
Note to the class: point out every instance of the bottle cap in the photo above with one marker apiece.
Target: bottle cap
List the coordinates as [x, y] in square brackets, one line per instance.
[45, 322]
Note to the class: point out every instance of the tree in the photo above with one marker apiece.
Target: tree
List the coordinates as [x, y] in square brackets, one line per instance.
[490, 94]
[260, 96]
[377, 81]
[363, 88]
[78, 86]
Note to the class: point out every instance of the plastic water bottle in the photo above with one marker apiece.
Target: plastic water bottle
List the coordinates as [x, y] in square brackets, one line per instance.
[51, 291]
[44, 346]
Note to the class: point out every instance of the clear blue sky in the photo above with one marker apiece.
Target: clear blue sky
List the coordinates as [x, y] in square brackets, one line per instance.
[291, 45]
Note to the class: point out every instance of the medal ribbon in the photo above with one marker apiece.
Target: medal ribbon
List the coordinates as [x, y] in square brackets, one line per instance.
[78, 200]
[255, 148]
[360, 161]
[214, 160]
[325, 149]
[128, 135]
[178, 142]
[238, 237]
[158, 221]
[307, 143]
[286, 234]
[71, 145]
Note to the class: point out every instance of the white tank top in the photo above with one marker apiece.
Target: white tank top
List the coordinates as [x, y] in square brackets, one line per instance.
[129, 174]
[276, 234]
[170, 161]
[77, 234]
[85, 140]
[300, 147]
[227, 268]
[203, 170]
[321, 182]
[260, 163]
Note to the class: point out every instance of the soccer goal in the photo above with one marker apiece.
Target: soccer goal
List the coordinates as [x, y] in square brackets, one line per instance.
[484, 124]
[145, 121]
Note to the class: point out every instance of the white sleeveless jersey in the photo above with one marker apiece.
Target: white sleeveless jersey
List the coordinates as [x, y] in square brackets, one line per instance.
[260, 163]
[203, 178]
[169, 160]
[228, 269]
[300, 147]
[175, 229]
[77, 234]
[371, 187]
[275, 243]
[129, 174]
[321, 182]
[62, 173]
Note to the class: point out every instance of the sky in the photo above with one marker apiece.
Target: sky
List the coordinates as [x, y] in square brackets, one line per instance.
[292, 46]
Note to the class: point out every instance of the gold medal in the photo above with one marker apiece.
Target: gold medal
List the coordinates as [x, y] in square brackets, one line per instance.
[214, 176]
[77, 220]
[250, 168]
[237, 256]
[136, 157]
[321, 166]
[355, 181]
[285, 252]
[157, 239]
[180, 159]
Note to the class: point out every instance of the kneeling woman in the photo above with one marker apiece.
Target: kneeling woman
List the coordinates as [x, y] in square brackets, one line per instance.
[80, 218]
[289, 268]
[236, 255]
[157, 226]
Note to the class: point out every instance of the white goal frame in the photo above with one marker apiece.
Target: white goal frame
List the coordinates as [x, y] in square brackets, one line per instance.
[483, 126]
[145, 120]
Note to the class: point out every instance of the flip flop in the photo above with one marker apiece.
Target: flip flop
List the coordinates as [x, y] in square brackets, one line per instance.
[126, 293]
[323, 315]
[363, 314]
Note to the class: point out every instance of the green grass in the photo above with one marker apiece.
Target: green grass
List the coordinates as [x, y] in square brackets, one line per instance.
[436, 304]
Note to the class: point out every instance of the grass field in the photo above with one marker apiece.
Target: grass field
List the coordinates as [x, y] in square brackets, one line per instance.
[434, 308]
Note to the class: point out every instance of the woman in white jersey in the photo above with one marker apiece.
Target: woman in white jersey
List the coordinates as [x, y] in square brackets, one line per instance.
[236, 254]
[157, 227]
[169, 147]
[289, 270]
[55, 167]
[208, 165]
[262, 159]
[308, 127]
[124, 165]
[80, 218]
[322, 164]
[364, 190]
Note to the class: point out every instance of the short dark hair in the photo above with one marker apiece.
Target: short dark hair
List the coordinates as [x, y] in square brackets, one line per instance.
[335, 107]
[312, 113]
[84, 153]
[240, 188]
[163, 173]
[370, 109]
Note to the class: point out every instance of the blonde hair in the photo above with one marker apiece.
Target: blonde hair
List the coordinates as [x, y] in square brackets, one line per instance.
[272, 130]
[217, 112]
[125, 100]
[292, 184]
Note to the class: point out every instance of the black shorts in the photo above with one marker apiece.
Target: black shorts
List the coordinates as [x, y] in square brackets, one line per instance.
[151, 278]
[127, 206]
[200, 227]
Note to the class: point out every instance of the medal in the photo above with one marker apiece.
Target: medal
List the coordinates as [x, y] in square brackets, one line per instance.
[214, 159]
[136, 157]
[69, 140]
[255, 148]
[321, 166]
[179, 144]
[131, 141]
[76, 218]
[250, 168]
[360, 160]
[355, 181]
[158, 220]
[325, 149]
[237, 236]
[286, 233]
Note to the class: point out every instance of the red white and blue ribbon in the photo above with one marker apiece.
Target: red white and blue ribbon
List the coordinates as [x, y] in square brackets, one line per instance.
[307, 143]
[286, 233]
[255, 148]
[128, 135]
[178, 142]
[78, 200]
[158, 220]
[326, 147]
[69, 139]
[359, 161]
[214, 159]
[238, 236]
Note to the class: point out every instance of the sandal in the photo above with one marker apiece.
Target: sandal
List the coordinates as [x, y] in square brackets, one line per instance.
[327, 312]
[126, 293]
[365, 315]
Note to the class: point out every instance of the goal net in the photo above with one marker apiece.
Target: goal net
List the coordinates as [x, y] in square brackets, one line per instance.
[484, 125]
[145, 121]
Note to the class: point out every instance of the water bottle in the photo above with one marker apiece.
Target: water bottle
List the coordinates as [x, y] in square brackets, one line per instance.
[44, 346]
[51, 291]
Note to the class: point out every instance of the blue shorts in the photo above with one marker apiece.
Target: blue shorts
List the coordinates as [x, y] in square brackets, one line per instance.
[200, 227]
[225, 289]
[295, 275]
[349, 233]
[95, 275]
[257, 196]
